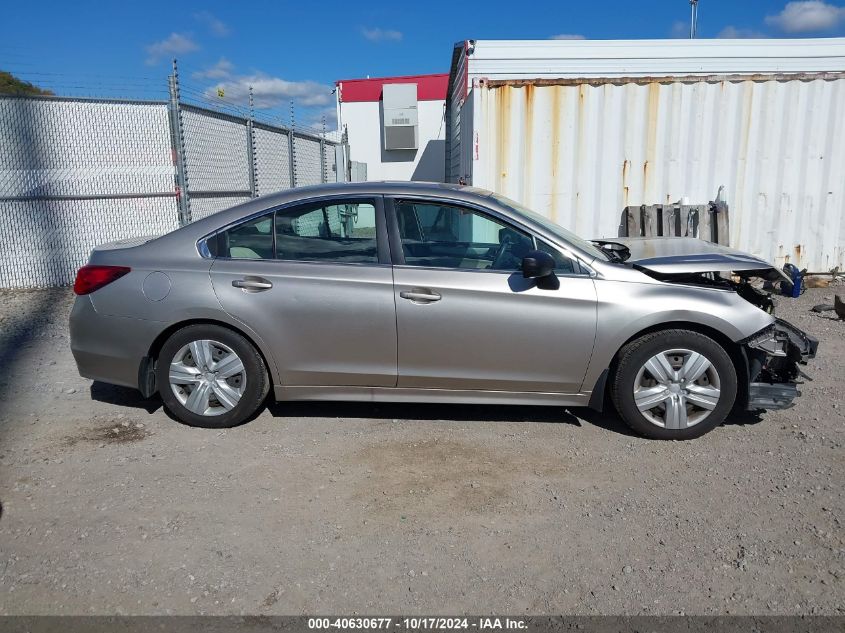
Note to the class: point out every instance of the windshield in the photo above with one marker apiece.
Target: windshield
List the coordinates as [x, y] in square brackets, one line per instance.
[554, 228]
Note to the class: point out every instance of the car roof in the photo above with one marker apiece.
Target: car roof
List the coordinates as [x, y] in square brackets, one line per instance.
[202, 227]
[395, 188]
[382, 187]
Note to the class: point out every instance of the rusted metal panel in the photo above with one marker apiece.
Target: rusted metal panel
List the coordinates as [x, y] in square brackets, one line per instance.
[582, 152]
[657, 79]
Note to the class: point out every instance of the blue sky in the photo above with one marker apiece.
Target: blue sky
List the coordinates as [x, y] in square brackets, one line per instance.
[296, 50]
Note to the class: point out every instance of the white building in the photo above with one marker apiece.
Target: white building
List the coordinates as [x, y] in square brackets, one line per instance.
[395, 125]
[580, 130]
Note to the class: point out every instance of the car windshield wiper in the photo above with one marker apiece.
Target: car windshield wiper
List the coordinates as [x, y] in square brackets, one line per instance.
[616, 251]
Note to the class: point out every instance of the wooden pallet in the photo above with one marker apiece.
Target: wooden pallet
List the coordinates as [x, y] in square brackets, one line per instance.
[708, 222]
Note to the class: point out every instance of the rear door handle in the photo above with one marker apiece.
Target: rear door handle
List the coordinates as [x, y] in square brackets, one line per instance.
[252, 284]
[420, 295]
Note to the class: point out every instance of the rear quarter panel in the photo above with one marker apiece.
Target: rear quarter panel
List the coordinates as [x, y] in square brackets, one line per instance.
[169, 284]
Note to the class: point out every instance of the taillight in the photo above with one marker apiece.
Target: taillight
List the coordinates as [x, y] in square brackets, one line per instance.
[91, 278]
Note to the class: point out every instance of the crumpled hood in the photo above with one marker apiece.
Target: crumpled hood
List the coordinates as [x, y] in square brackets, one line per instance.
[689, 255]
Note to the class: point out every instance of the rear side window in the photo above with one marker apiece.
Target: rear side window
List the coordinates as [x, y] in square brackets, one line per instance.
[339, 232]
[250, 240]
[343, 232]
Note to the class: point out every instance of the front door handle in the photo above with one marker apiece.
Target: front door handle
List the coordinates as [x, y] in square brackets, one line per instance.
[420, 295]
[252, 284]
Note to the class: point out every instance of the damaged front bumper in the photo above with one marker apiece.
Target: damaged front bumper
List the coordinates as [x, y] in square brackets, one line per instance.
[774, 355]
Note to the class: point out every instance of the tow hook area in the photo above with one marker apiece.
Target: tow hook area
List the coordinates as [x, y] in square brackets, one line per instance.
[774, 355]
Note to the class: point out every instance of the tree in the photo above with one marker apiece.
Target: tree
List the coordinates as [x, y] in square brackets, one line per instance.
[11, 85]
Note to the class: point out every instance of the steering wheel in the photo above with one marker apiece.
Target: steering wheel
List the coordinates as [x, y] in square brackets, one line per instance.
[505, 247]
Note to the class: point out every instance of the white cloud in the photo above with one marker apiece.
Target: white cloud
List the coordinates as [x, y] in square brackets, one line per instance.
[269, 92]
[315, 121]
[807, 16]
[733, 33]
[221, 70]
[567, 36]
[175, 44]
[679, 29]
[217, 26]
[381, 35]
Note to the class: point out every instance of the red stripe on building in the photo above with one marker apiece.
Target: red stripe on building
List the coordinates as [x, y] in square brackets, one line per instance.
[429, 87]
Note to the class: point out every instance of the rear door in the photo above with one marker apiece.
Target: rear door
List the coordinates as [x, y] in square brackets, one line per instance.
[468, 320]
[314, 280]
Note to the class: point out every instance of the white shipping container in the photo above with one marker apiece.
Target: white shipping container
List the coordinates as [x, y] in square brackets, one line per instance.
[581, 149]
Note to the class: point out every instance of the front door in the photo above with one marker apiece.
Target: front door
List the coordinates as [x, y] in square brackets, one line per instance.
[466, 318]
[314, 281]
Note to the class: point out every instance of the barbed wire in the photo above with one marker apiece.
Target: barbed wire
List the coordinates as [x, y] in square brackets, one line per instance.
[156, 87]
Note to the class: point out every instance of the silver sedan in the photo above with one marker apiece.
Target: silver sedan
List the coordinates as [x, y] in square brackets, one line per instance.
[413, 292]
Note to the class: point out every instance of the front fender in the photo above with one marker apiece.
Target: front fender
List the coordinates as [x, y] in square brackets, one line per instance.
[627, 308]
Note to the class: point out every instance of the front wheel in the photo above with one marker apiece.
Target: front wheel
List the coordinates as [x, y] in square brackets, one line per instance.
[211, 377]
[674, 384]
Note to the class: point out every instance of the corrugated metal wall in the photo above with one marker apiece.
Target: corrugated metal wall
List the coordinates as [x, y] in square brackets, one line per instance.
[580, 151]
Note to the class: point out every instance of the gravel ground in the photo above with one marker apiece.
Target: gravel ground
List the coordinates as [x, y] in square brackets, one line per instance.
[109, 506]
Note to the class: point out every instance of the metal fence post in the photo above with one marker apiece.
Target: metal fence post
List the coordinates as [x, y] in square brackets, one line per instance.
[292, 149]
[250, 148]
[324, 177]
[177, 144]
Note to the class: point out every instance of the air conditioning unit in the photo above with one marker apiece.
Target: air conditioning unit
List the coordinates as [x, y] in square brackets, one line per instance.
[399, 106]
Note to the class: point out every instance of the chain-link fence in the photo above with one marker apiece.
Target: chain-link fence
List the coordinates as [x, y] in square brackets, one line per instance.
[75, 173]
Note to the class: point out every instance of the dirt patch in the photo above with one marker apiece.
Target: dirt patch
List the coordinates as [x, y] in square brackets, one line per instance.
[114, 431]
[424, 477]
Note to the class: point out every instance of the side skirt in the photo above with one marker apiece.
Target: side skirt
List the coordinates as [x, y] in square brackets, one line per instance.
[393, 394]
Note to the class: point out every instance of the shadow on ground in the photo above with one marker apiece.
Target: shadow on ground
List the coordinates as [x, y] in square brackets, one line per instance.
[124, 397]
[608, 420]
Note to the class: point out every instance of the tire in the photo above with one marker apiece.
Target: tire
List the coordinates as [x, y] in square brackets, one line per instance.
[205, 392]
[683, 409]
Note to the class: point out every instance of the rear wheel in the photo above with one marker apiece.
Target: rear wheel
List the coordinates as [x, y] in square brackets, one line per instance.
[674, 384]
[211, 377]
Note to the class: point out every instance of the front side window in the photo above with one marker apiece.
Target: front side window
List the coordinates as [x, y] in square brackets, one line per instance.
[567, 236]
[343, 232]
[563, 265]
[444, 236]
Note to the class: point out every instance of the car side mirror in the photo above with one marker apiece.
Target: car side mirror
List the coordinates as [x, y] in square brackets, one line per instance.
[537, 264]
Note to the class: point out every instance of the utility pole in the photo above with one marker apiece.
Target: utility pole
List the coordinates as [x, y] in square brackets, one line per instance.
[694, 19]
